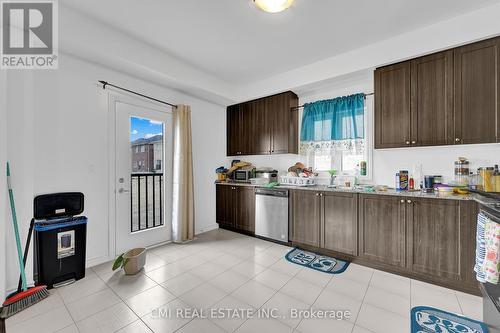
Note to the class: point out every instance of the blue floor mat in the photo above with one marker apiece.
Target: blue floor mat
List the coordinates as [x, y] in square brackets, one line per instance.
[425, 319]
[316, 261]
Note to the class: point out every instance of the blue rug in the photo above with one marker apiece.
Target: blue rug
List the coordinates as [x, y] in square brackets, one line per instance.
[316, 261]
[425, 319]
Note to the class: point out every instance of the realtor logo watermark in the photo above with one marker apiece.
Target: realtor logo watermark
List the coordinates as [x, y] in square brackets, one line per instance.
[29, 34]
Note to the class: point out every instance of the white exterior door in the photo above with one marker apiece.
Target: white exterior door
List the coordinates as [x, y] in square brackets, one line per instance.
[143, 184]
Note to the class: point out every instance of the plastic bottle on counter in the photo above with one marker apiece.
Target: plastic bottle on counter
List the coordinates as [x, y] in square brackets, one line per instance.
[397, 182]
[362, 167]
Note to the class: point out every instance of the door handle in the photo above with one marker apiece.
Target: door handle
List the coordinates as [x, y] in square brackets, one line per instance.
[122, 190]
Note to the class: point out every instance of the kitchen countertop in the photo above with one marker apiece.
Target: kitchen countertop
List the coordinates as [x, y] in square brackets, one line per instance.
[413, 194]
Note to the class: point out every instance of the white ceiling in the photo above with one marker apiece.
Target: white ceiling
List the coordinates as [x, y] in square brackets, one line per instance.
[238, 43]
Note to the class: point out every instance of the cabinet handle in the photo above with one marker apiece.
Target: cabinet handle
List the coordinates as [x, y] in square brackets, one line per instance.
[407, 142]
[457, 139]
[402, 201]
[408, 201]
[413, 142]
[317, 194]
[321, 194]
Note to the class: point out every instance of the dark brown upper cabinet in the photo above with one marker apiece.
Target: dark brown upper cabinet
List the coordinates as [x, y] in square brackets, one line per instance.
[392, 108]
[432, 100]
[477, 92]
[233, 130]
[264, 126]
[450, 97]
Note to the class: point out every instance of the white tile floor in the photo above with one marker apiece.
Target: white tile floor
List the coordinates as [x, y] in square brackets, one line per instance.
[226, 270]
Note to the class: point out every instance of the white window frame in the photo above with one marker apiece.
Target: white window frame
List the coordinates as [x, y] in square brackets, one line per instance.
[369, 137]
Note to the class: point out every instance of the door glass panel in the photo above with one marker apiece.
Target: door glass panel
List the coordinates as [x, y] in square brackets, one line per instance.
[147, 156]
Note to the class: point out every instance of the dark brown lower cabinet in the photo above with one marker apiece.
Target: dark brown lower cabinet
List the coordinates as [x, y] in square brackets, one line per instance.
[305, 217]
[244, 215]
[235, 207]
[430, 239]
[438, 237]
[382, 229]
[224, 210]
[339, 227]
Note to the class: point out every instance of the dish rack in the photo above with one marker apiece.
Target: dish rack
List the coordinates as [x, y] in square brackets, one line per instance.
[297, 181]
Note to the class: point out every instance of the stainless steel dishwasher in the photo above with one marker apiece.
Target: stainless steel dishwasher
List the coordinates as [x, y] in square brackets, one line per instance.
[271, 213]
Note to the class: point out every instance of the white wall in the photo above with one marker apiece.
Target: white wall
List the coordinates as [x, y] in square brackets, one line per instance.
[57, 130]
[3, 197]
[88, 38]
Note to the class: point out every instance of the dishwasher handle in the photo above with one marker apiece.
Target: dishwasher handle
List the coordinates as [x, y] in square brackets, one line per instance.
[272, 192]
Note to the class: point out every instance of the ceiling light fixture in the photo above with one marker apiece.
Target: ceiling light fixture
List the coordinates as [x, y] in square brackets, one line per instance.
[273, 6]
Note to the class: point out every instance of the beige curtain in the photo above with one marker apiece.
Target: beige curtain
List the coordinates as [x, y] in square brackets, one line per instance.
[183, 195]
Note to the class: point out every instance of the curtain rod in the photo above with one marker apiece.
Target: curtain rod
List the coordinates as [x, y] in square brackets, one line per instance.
[104, 84]
[301, 106]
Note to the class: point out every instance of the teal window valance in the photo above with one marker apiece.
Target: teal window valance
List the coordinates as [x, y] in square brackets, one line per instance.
[334, 123]
[334, 119]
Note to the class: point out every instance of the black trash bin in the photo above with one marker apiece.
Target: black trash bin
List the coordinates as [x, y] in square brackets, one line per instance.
[60, 239]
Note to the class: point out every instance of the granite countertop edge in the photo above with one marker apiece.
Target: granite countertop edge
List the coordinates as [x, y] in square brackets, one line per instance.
[412, 194]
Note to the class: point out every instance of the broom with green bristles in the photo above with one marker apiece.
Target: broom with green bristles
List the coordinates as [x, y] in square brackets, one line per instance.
[27, 296]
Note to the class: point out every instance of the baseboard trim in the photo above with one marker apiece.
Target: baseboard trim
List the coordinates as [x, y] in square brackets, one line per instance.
[97, 261]
[207, 228]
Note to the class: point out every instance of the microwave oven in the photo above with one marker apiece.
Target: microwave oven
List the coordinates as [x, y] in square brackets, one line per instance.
[242, 175]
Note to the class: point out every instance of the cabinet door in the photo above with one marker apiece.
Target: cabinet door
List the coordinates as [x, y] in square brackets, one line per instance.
[477, 92]
[392, 106]
[233, 129]
[340, 222]
[260, 128]
[432, 100]
[382, 229]
[305, 217]
[244, 216]
[435, 238]
[283, 123]
[245, 146]
[224, 207]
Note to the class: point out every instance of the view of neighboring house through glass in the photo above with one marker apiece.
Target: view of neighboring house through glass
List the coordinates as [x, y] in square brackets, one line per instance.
[146, 147]
[146, 140]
